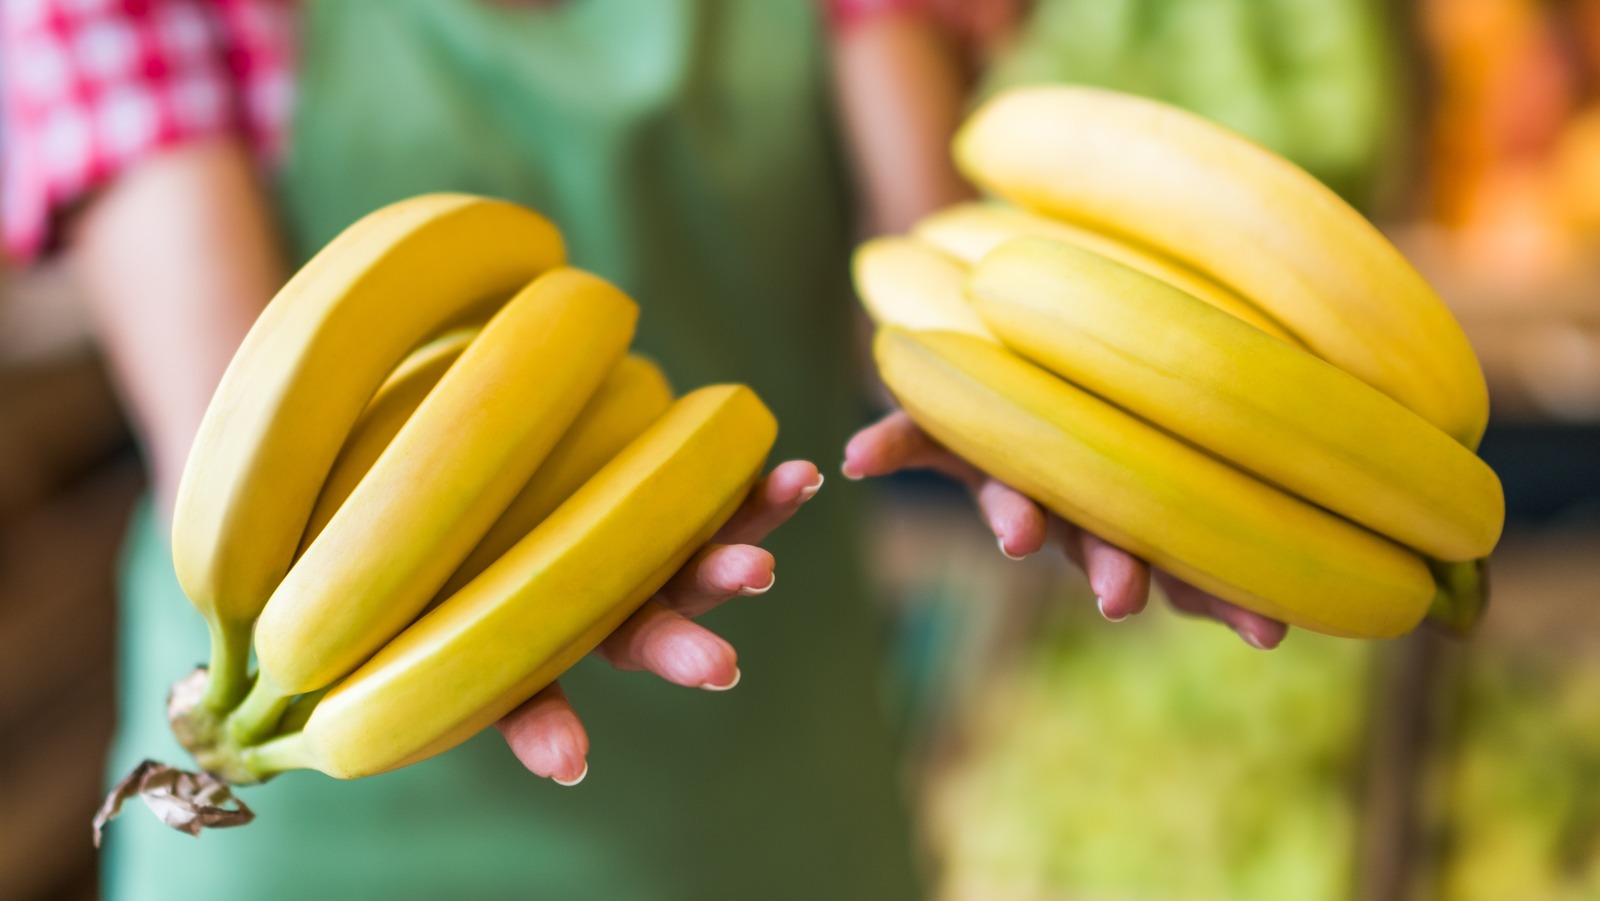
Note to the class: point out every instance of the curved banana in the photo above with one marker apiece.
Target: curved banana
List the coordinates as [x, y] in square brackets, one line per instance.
[303, 375]
[632, 397]
[910, 284]
[437, 488]
[1152, 494]
[969, 231]
[547, 602]
[396, 400]
[1154, 174]
[1283, 414]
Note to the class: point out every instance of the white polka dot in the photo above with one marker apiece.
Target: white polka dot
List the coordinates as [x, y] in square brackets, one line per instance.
[24, 14]
[107, 51]
[43, 71]
[127, 119]
[198, 100]
[64, 144]
[183, 32]
[269, 98]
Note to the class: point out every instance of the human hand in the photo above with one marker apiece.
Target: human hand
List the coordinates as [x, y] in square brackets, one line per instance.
[1120, 581]
[545, 732]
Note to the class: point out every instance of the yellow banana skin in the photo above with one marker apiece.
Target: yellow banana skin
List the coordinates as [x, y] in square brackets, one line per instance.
[1157, 175]
[547, 602]
[1285, 415]
[910, 284]
[1152, 494]
[969, 231]
[435, 490]
[303, 375]
[388, 410]
[632, 397]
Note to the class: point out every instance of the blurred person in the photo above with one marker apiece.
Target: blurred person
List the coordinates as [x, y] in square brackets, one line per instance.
[187, 153]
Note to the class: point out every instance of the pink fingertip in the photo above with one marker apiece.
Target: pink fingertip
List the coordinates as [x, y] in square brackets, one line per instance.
[810, 491]
[737, 675]
[1252, 640]
[1101, 603]
[580, 777]
[851, 472]
[752, 592]
[1001, 540]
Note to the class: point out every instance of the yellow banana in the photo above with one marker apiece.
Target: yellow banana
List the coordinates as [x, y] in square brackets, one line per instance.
[1293, 419]
[435, 490]
[910, 284]
[302, 377]
[968, 231]
[388, 410]
[544, 604]
[1151, 493]
[1159, 176]
[633, 396]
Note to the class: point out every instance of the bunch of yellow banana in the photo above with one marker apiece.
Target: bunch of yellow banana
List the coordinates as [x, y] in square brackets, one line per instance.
[431, 480]
[1189, 346]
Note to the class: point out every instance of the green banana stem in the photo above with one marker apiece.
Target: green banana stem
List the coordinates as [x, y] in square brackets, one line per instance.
[228, 675]
[281, 754]
[294, 718]
[258, 714]
[1462, 596]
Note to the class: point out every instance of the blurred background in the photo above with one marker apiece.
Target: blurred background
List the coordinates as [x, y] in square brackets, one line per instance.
[1051, 756]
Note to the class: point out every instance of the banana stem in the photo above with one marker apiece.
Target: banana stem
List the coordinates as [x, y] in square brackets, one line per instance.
[228, 675]
[294, 718]
[286, 752]
[257, 716]
[1463, 593]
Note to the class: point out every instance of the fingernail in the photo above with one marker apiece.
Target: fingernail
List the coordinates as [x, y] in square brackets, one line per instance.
[1101, 603]
[851, 473]
[575, 781]
[737, 675]
[810, 491]
[1009, 556]
[752, 592]
[1251, 639]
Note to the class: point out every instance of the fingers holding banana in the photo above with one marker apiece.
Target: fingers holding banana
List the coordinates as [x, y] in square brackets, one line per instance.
[661, 638]
[1120, 581]
[896, 443]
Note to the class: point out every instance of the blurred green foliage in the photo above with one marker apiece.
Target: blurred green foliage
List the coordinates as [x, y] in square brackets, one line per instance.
[1312, 79]
[1522, 815]
[1162, 759]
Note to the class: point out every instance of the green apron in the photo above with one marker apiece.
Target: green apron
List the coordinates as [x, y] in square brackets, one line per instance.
[685, 149]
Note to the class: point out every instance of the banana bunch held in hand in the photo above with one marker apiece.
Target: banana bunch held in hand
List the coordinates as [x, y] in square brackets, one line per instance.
[1185, 344]
[431, 480]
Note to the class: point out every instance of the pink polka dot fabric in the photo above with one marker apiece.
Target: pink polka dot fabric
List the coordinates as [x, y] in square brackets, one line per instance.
[88, 87]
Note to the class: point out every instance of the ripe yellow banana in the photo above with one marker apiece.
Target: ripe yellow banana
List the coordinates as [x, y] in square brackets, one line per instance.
[547, 602]
[396, 400]
[302, 377]
[632, 397]
[969, 231]
[435, 490]
[905, 282]
[1287, 416]
[1159, 176]
[1151, 493]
